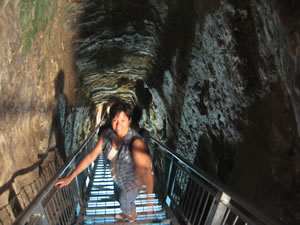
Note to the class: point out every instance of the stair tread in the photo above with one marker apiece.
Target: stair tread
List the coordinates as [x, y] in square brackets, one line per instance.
[140, 214]
[140, 201]
[106, 208]
[163, 221]
[140, 196]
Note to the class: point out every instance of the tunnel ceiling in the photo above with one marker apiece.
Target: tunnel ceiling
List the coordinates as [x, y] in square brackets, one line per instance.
[116, 48]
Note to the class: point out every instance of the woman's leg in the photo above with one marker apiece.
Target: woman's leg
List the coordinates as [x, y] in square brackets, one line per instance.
[127, 204]
[117, 191]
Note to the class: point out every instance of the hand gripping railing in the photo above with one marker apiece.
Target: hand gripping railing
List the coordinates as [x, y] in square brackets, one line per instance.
[58, 206]
[195, 197]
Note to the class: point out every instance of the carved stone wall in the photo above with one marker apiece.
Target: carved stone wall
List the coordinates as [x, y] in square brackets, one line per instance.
[36, 65]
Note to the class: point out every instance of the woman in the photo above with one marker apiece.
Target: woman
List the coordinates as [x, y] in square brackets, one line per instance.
[130, 163]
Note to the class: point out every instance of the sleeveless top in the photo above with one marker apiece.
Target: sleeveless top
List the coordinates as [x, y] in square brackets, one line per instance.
[125, 175]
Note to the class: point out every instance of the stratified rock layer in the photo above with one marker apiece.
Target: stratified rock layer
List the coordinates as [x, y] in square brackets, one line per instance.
[116, 47]
[225, 96]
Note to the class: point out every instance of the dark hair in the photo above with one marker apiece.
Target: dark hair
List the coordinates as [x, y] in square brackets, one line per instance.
[120, 107]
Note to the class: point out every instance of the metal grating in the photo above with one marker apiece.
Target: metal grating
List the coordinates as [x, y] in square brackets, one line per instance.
[101, 207]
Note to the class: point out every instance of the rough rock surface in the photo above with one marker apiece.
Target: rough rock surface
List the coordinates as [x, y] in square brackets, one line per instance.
[35, 67]
[226, 96]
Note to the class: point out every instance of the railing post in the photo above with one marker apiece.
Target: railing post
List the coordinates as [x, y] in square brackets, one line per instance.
[39, 218]
[169, 177]
[218, 209]
[77, 192]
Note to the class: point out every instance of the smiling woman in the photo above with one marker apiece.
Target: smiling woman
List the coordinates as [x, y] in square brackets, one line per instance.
[121, 115]
[130, 161]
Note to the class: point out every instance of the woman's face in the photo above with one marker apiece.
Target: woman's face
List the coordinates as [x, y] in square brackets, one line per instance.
[120, 124]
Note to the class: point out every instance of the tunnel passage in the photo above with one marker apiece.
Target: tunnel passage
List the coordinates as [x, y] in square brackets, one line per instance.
[116, 48]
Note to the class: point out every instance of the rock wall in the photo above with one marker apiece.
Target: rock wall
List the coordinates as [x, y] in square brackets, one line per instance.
[225, 95]
[36, 66]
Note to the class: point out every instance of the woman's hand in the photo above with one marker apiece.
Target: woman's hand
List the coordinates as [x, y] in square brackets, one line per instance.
[63, 182]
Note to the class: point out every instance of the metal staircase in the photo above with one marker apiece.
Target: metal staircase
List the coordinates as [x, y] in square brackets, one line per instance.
[185, 195]
[100, 207]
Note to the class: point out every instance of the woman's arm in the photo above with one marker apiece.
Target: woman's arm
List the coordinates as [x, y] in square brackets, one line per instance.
[84, 163]
[143, 165]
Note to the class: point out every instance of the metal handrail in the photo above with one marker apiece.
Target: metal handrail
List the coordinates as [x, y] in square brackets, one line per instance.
[31, 208]
[263, 216]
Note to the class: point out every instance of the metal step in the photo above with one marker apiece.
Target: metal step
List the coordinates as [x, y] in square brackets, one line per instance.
[94, 205]
[142, 218]
[158, 215]
[112, 221]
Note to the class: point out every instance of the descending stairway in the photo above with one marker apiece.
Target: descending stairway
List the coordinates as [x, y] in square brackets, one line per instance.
[192, 197]
[101, 208]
